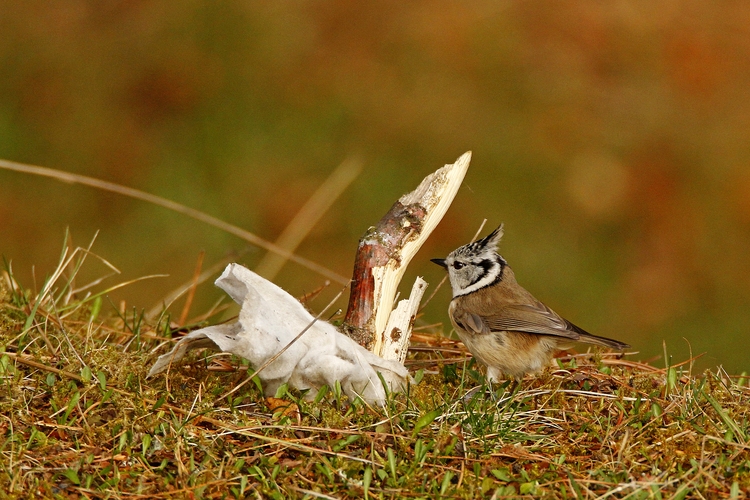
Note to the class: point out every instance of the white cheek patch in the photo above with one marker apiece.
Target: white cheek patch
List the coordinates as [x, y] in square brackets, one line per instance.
[488, 279]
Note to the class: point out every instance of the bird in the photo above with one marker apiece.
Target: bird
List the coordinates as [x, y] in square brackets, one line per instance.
[500, 322]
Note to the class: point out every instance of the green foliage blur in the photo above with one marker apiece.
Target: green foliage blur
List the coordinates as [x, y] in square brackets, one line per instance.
[610, 137]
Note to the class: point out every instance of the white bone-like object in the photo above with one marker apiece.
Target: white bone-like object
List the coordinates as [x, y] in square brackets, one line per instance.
[269, 320]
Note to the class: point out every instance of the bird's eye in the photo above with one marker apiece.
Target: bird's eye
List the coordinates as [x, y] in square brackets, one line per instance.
[458, 265]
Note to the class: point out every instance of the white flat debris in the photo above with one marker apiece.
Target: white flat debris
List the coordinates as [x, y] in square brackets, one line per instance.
[269, 320]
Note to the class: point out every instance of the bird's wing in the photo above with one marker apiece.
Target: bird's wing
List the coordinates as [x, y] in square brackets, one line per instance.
[539, 319]
[473, 323]
[531, 318]
[522, 314]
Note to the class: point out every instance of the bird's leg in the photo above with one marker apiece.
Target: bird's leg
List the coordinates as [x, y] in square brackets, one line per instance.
[514, 386]
[510, 387]
[493, 375]
[473, 391]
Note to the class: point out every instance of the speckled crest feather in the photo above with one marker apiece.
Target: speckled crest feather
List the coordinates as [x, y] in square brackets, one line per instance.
[488, 243]
[475, 265]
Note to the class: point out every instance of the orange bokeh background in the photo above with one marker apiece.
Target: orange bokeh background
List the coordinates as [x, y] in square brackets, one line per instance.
[611, 138]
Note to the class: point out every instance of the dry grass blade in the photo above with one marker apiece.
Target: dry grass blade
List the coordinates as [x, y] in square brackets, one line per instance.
[309, 215]
[42, 366]
[176, 207]
[162, 305]
[191, 290]
[83, 422]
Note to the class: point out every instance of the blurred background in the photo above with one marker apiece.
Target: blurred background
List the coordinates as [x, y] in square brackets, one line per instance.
[611, 138]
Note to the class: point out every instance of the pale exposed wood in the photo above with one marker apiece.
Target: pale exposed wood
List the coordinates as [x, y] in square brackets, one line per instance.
[386, 250]
[398, 330]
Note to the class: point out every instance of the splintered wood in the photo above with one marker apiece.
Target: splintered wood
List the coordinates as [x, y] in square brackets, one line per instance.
[383, 255]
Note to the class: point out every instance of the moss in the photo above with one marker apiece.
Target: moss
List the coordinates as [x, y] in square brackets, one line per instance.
[83, 418]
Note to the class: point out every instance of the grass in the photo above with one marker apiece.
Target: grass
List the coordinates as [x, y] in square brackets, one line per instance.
[78, 419]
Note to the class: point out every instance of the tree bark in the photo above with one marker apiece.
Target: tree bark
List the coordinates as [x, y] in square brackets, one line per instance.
[383, 254]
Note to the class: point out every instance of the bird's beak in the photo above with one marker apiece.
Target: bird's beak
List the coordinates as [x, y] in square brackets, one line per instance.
[440, 262]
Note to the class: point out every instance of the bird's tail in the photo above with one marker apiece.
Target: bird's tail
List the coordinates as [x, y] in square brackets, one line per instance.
[603, 341]
[588, 338]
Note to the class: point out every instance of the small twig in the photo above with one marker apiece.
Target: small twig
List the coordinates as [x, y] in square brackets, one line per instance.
[65, 333]
[434, 292]
[34, 364]
[307, 297]
[311, 493]
[431, 326]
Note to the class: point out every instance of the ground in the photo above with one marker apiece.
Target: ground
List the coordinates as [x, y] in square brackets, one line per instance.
[80, 420]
